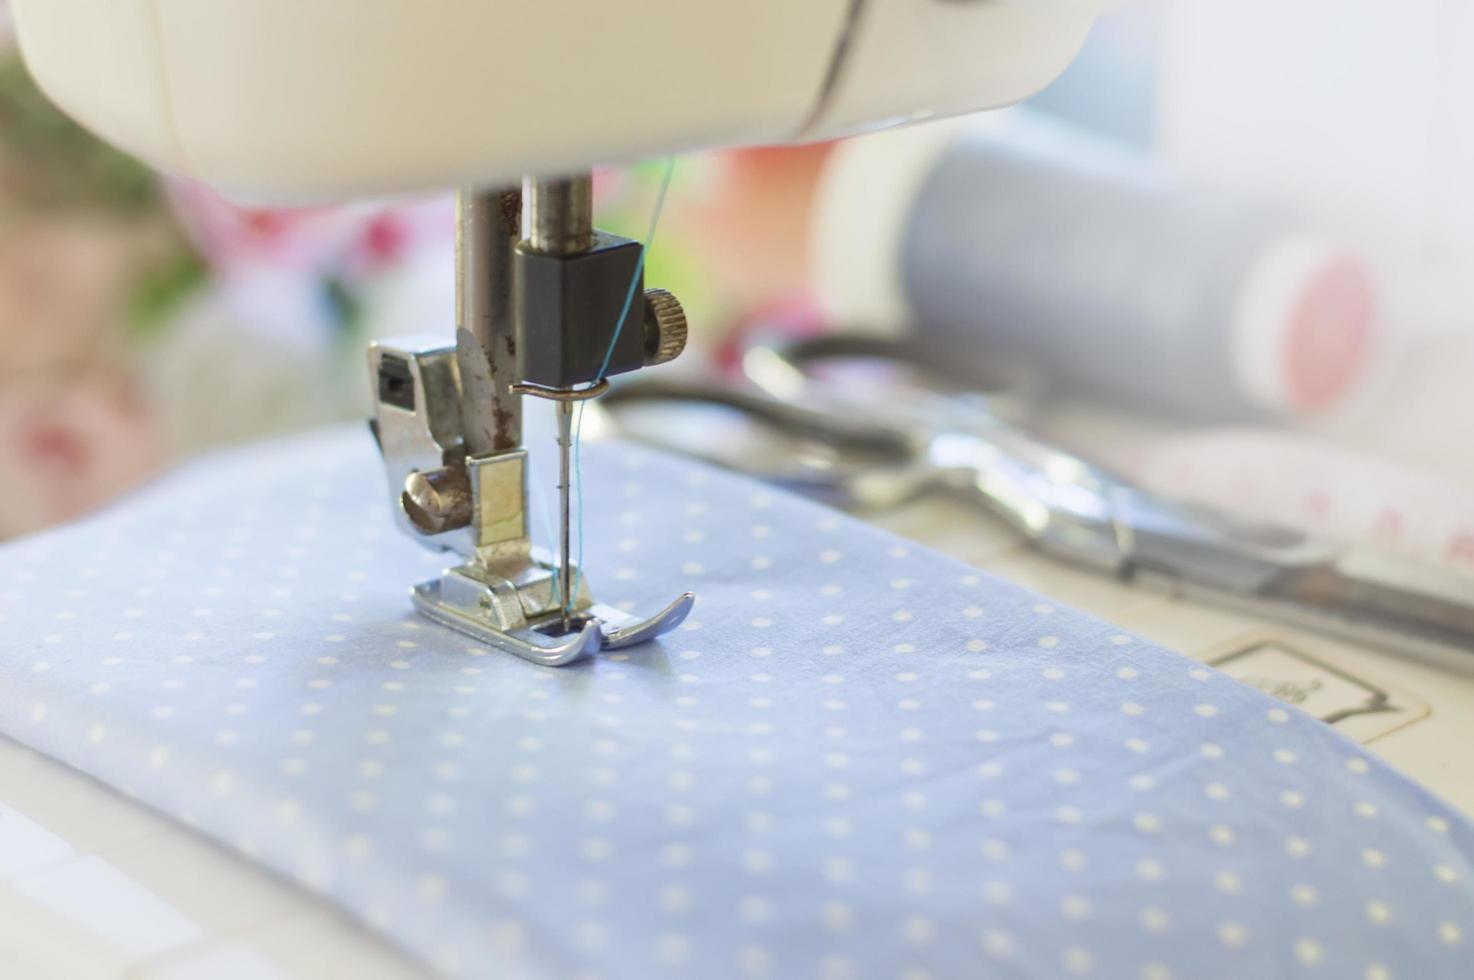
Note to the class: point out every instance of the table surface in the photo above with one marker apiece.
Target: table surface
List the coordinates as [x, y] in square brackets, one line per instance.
[93, 885]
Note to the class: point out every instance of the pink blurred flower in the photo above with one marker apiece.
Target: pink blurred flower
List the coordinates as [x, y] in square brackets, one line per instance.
[272, 265]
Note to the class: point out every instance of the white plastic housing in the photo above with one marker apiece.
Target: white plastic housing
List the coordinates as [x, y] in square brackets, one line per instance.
[310, 99]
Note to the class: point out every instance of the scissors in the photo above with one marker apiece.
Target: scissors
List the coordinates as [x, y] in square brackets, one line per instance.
[866, 424]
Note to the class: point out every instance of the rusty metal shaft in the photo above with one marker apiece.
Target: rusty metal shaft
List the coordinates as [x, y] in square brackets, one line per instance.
[487, 229]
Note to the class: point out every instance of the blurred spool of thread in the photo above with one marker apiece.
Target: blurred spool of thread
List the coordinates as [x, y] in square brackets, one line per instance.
[1036, 255]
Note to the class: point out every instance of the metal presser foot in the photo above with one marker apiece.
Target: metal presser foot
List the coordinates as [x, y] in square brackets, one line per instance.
[537, 316]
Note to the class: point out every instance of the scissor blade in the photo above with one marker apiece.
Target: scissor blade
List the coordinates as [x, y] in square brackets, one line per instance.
[1381, 592]
[1407, 608]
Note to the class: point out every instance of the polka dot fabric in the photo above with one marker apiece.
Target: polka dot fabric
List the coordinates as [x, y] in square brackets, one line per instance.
[857, 759]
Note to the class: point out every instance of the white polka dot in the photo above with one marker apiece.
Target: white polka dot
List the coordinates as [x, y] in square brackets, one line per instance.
[672, 948]
[591, 892]
[1150, 869]
[1232, 934]
[1308, 951]
[1154, 920]
[834, 967]
[590, 936]
[917, 881]
[754, 960]
[675, 900]
[919, 930]
[838, 869]
[430, 889]
[358, 847]
[755, 908]
[998, 944]
[1450, 934]
[1076, 908]
[1077, 961]
[837, 917]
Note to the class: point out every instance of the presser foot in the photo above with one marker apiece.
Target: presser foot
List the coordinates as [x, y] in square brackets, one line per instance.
[543, 316]
[494, 611]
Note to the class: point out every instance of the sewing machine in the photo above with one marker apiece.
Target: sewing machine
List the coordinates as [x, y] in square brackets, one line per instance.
[281, 100]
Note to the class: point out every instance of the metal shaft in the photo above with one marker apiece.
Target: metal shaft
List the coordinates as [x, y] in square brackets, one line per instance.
[559, 214]
[558, 219]
[565, 495]
[487, 229]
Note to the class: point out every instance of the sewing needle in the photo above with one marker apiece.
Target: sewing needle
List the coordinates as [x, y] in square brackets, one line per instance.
[565, 566]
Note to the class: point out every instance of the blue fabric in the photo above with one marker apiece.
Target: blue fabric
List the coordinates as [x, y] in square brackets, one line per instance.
[857, 759]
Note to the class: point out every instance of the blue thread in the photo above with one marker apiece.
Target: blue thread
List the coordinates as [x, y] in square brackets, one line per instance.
[629, 300]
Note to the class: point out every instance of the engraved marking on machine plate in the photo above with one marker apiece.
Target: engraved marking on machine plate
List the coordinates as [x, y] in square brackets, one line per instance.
[1364, 708]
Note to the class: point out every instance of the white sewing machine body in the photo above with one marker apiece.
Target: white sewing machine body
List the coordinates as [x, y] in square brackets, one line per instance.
[303, 99]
